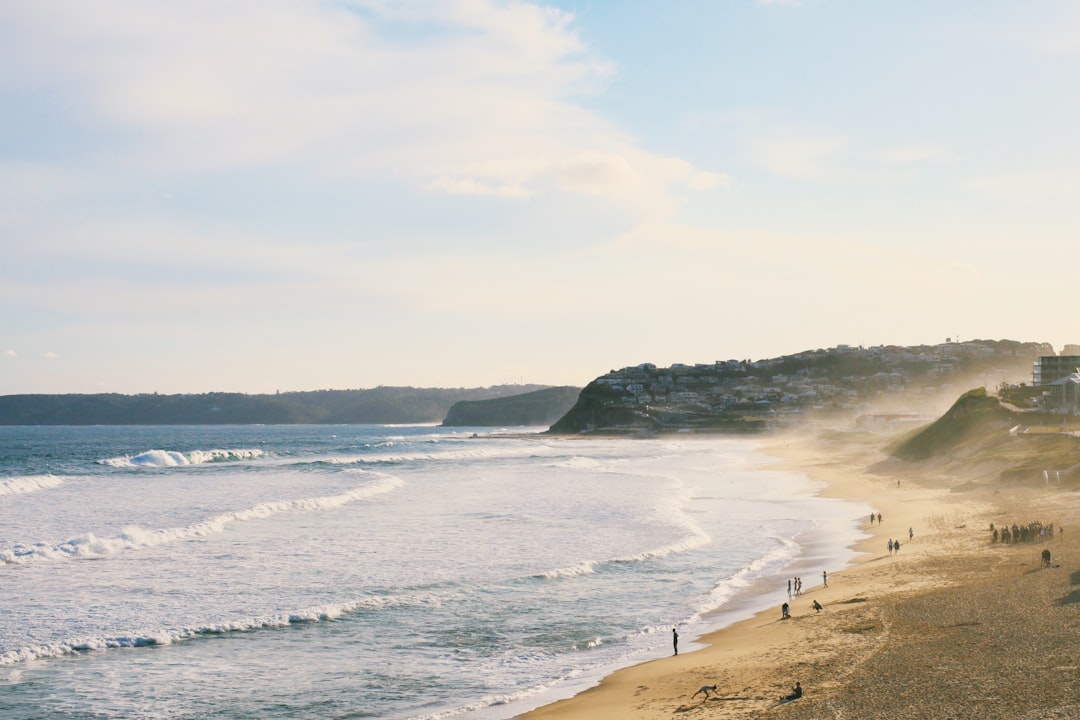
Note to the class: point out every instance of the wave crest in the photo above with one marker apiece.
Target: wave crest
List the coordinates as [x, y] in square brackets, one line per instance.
[172, 458]
[134, 537]
[168, 636]
[30, 483]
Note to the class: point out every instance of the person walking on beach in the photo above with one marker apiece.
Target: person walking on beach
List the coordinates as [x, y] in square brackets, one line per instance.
[896, 547]
[890, 546]
[910, 534]
[675, 640]
[825, 577]
[789, 588]
[879, 518]
[871, 518]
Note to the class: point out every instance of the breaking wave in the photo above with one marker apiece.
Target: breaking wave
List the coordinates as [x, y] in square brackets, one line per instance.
[171, 458]
[30, 483]
[169, 636]
[134, 537]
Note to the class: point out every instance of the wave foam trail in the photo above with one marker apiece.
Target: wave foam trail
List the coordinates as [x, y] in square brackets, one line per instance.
[134, 537]
[168, 636]
[30, 483]
[585, 567]
[171, 458]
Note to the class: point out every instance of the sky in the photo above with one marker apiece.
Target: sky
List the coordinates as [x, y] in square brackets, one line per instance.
[263, 195]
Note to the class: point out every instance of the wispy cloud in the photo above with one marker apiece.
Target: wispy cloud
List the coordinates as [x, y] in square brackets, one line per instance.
[799, 156]
[483, 105]
[916, 154]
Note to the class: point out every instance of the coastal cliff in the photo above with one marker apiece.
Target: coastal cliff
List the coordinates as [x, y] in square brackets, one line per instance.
[537, 408]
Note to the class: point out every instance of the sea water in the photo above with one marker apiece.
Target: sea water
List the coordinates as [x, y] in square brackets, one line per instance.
[374, 571]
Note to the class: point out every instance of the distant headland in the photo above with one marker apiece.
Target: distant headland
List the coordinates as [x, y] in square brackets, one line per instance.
[884, 384]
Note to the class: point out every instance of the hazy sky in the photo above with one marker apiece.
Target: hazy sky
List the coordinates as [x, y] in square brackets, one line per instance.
[273, 194]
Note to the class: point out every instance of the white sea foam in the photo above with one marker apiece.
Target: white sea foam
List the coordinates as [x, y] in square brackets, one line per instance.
[172, 458]
[30, 483]
[134, 537]
[586, 567]
[771, 561]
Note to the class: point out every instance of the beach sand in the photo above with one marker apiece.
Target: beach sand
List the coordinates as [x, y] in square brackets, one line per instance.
[951, 626]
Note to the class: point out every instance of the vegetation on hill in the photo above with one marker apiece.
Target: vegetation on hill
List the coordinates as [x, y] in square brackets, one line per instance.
[381, 405]
[748, 396]
[974, 415]
[538, 408]
[980, 437]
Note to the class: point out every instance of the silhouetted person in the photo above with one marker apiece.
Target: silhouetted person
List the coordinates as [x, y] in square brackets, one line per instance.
[675, 640]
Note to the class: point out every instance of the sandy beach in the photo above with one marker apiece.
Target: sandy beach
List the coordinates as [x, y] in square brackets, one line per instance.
[950, 626]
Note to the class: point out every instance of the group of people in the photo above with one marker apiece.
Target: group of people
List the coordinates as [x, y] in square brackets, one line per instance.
[1032, 532]
[894, 546]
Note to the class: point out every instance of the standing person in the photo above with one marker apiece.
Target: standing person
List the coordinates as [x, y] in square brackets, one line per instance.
[890, 546]
[910, 534]
[879, 518]
[896, 547]
[789, 587]
[871, 518]
[675, 640]
[825, 577]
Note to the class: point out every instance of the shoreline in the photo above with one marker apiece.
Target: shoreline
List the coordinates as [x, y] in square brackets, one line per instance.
[866, 607]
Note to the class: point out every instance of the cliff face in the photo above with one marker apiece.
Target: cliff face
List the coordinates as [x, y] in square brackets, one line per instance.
[539, 408]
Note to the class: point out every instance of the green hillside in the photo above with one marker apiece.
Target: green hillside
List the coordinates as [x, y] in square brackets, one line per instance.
[541, 407]
[979, 438]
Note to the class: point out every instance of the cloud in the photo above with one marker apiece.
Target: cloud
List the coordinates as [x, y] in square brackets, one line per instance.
[465, 97]
[50, 355]
[1027, 186]
[916, 154]
[10, 353]
[798, 156]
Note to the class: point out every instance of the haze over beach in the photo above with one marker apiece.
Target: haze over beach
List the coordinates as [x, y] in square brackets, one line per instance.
[301, 195]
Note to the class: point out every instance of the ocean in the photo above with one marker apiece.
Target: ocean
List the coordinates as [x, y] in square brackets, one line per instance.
[400, 572]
